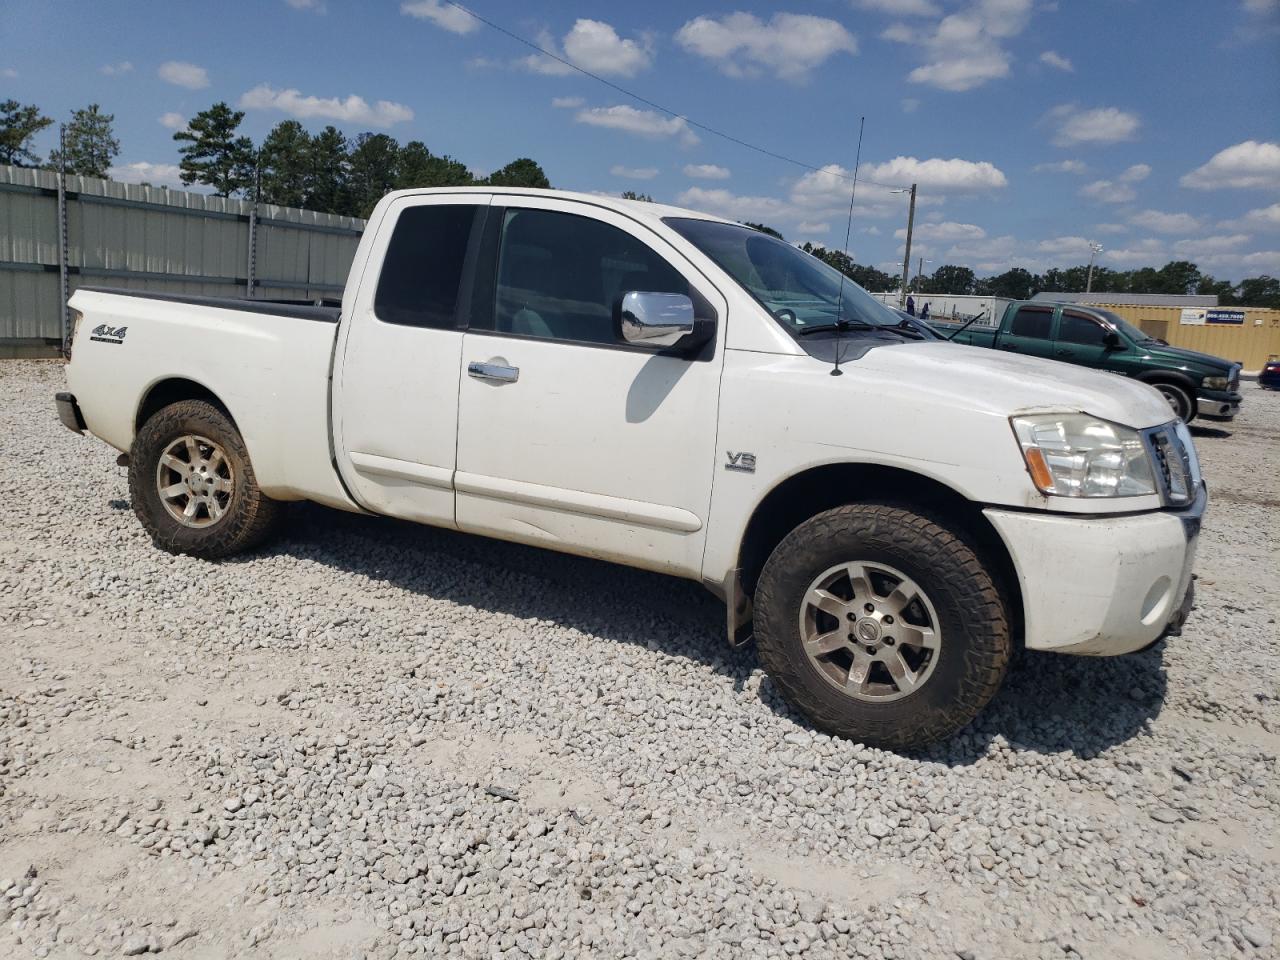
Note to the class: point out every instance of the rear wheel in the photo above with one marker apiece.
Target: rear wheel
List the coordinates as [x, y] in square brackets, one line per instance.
[1180, 401]
[881, 625]
[192, 484]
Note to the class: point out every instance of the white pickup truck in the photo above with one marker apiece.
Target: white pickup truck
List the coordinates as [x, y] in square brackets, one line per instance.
[887, 516]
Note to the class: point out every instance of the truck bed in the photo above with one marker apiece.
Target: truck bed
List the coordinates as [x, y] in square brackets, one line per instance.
[267, 363]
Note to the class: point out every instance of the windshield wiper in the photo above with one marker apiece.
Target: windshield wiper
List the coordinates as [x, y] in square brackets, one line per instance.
[842, 325]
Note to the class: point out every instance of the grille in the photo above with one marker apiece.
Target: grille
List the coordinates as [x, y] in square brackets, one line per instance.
[1233, 383]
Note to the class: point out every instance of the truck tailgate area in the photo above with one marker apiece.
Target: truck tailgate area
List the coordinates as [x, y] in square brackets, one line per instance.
[268, 364]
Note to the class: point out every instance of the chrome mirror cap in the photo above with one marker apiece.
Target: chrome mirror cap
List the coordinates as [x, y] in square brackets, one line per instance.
[656, 319]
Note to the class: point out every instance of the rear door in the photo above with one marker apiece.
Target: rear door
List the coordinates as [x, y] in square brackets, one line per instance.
[1030, 331]
[566, 437]
[395, 389]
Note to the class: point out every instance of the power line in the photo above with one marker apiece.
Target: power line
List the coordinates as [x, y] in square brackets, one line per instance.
[659, 107]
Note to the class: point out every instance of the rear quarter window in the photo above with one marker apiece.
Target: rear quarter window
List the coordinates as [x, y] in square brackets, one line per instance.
[422, 269]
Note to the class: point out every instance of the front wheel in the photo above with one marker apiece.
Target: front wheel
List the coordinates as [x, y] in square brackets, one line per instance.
[192, 484]
[1180, 401]
[881, 625]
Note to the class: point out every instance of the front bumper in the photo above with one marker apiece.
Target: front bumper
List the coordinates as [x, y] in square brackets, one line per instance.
[1102, 585]
[1218, 404]
[69, 412]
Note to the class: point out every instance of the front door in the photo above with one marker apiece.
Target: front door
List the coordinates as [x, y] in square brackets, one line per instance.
[395, 389]
[567, 437]
[1081, 339]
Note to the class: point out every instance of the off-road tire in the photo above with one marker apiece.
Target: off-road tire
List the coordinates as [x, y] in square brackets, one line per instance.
[976, 645]
[250, 516]
[1181, 402]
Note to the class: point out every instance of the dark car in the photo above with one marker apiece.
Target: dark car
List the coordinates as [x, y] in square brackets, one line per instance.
[1195, 384]
[1269, 378]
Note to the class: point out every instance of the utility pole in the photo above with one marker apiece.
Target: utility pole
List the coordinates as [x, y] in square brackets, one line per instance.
[906, 256]
[1094, 250]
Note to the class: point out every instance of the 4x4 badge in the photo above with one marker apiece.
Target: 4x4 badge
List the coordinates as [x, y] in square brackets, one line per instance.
[743, 462]
[105, 334]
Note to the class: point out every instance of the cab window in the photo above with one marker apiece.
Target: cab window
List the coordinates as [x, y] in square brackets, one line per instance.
[1032, 322]
[422, 269]
[1077, 328]
[561, 276]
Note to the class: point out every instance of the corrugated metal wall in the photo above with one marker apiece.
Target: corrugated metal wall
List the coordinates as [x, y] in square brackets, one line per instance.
[1250, 343]
[173, 241]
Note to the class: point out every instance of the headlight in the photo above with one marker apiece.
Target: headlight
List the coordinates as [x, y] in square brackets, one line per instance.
[1216, 383]
[1076, 455]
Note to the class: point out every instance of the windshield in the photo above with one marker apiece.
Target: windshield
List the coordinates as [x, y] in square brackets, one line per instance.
[798, 289]
[1136, 334]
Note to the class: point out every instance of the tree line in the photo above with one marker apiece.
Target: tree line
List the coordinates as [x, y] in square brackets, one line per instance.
[1176, 277]
[326, 171]
[332, 173]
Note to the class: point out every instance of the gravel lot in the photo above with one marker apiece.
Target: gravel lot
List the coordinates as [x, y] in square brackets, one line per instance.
[375, 739]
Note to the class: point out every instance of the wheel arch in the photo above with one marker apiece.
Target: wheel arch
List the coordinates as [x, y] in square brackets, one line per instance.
[170, 390]
[816, 489]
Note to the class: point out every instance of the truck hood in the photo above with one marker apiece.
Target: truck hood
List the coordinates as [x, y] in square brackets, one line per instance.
[1007, 384]
[1192, 360]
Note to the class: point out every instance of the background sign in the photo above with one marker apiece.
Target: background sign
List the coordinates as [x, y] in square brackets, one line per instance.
[1224, 316]
[1192, 317]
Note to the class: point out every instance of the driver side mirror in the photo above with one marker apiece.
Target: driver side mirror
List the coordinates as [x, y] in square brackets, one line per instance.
[1112, 340]
[660, 320]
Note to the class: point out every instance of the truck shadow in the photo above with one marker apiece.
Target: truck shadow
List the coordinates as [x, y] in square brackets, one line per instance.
[1049, 703]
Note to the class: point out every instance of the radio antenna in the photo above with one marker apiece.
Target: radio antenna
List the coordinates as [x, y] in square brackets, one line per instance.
[848, 231]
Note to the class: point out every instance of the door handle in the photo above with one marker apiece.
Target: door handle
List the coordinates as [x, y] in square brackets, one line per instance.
[493, 371]
[1007, 346]
[1062, 353]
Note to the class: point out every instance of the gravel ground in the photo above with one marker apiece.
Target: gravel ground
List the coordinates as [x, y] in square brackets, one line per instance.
[375, 739]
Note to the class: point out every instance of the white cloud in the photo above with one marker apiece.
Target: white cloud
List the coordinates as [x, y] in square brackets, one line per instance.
[732, 206]
[9, 73]
[1250, 164]
[806, 227]
[1144, 252]
[1201, 247]
[1261, 7]
[182, 74]
[1098, 125]
[644, 123]
[1064, 247]
[1264, 218]
[1062, 166]
[1110, 228]
[988, 249]
[910, 104]
[443, 15]
[1108, 191]
[172, 121]
[1135, 174]
[633, 173]
[901, 8]
[593, 45]
[706, 171]
[159, 174]
[116, 69]
[965, 49]
[938, 175]
[1159, 222]
[313, 6]
[567, 103]
[596, 46]
[946, 232]
[1056, 60]
[352, 109]
[790, 45]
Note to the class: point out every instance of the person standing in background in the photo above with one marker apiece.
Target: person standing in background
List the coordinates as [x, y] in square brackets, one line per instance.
[911, 305]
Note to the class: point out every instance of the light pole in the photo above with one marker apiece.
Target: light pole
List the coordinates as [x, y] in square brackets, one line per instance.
[906, 254]
[1094, 250]
[920, 271]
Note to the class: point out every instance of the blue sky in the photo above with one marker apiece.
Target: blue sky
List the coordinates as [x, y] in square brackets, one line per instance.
[1151, 127]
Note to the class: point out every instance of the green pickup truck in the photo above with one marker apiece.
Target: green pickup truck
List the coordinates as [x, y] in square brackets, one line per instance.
[1195, 384]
